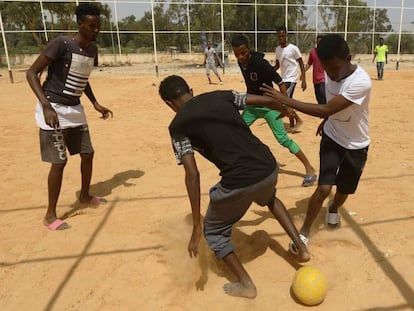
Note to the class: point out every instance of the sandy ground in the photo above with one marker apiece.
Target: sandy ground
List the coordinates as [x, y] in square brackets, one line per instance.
[130, 254]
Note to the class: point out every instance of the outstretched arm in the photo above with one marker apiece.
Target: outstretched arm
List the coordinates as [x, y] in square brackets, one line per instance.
[192, 183]
[269, 102]
[336, 104]
[106, 113]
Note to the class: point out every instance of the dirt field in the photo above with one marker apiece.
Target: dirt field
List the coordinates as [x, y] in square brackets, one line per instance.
[130, 254]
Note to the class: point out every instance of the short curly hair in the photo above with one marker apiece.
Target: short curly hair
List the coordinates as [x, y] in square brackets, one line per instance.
[332, 46]
[86, 8]
[172, 87]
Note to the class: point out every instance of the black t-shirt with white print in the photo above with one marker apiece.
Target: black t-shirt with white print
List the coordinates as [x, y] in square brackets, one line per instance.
[257, 72]
[69, 71]
[211, 124]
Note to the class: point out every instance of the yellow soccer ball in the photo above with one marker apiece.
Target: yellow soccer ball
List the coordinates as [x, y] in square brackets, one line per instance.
[309, 285]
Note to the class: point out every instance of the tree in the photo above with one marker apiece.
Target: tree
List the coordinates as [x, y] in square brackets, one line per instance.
[407, 43]
[22, 16]
[360, 22]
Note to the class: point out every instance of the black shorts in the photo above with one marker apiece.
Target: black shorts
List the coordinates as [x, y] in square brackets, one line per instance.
[340, 166]
[53, 143]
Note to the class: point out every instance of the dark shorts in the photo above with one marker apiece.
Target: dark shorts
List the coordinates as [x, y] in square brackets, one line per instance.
[340, 166]
[53, 143]
[320, 93]
[290, 88]
[227, 206]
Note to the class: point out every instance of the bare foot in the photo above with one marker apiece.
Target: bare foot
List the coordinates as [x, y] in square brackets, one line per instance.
[239, 290]
[300, 251]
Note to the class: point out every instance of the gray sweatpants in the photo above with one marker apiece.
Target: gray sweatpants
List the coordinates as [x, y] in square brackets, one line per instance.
[226, 207]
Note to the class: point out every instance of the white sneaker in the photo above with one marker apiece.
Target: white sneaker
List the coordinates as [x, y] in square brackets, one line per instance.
[332, 220]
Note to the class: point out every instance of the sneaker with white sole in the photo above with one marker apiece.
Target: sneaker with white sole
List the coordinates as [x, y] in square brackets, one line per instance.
[332, 220]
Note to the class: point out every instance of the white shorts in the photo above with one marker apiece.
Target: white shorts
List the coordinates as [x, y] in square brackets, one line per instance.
[211, 66]
[69, 116]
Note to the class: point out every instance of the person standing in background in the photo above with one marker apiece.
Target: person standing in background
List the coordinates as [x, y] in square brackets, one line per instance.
[288, 57]
[318, 74]
[210, 62]
[381, 53]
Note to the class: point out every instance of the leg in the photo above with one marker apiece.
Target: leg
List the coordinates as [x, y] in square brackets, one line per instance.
[245, 287]
[216, 73]
[379, 70]
[332, 218]
[348, 178]
[282, 216]
[338, 201]
[208, 73]
[281, 136]
[310, 171]
[53, 150]
[225, 209]
[314, 206]
[54, 183]
[320, 93]
[249, 115]
[86, 173]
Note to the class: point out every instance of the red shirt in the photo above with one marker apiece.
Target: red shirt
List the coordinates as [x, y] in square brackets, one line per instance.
[318, 72]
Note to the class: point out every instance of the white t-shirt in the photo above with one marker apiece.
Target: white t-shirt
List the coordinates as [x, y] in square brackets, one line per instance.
[69, 116]
[349, 127]
[210, 55]
[287, 58]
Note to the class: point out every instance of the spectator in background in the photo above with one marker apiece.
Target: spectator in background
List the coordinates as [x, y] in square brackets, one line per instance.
[288, 57]
[381, 53]
[210, 57]
[318, 74]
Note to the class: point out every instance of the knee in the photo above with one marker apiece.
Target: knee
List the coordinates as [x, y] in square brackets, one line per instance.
[56, 169]
[321, 192]
[289, 144]
[218, 239]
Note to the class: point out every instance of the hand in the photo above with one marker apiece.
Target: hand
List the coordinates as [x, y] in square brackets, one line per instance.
[195, 239]
[51, 118]
[104, 111]
[289, 112]
[271, 92]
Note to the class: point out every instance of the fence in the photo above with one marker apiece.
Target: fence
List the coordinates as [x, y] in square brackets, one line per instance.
[303, 18]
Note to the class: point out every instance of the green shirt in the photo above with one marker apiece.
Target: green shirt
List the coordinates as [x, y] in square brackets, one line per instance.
[381, 51]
